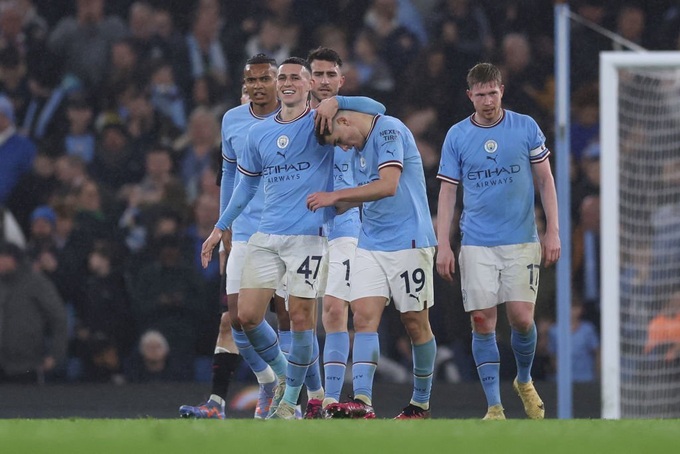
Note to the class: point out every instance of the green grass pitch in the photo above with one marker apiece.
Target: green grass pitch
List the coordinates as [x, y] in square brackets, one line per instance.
[165, 436]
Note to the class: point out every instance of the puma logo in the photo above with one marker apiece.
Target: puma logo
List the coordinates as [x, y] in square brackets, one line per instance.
[283, 155]
[309, 283]
[493, 158]
[417, 298]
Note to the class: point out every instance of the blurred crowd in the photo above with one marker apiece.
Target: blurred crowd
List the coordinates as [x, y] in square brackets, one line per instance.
[110, 117]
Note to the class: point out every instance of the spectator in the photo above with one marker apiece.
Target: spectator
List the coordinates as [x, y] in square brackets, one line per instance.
[206, 53]
[82, 43]
[80, 139]
[32, 322]
[16, 152]
[142, 200]
[585, 345]
[115, 162]
[198, 155]
[35, 188]
[167, 296]
[154, 362]
[663, 332]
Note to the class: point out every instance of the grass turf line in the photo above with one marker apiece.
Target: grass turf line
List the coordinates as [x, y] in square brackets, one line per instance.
[250, 436]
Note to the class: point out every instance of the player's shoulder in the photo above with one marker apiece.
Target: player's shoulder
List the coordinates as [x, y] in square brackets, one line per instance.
[519, 118]
[462, 126]
[240, 111]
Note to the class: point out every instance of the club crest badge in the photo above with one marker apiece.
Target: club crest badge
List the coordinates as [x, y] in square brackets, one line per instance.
[282, 142]
[490, 146]
[362, 162]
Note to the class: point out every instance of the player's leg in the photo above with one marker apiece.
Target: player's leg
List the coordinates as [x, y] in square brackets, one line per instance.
[303, 256]
[369, 294]
[226, 356]
[336, 347]
[519, 286]
[335, 314]
[413, 294]
[262, 271]
[480, 283]
[225, 361]
[301, 353]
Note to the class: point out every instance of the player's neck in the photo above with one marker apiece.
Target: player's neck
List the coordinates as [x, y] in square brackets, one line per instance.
[291, 112]
[364, 124]
[262, 110]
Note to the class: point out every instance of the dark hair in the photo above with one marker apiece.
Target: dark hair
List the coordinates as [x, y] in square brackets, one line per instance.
[324, 54]
[484, 73]
[261, 59]
[297, 61]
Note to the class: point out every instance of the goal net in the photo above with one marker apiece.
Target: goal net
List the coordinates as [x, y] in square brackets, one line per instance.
[640, 236]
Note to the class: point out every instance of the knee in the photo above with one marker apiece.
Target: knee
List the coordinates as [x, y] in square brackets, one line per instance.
[334, 317]
[227, 321]
[417, 327]
[247, 319]
[364, 323]
[482, 323]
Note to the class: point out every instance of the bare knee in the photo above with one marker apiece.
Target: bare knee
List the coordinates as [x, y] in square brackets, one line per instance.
[334, 316]
[417, 326]
[483, 322]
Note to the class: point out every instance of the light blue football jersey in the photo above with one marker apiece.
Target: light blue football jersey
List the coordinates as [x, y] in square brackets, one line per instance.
[493, 163]
[235, 125]
[292, 165]
[348, 223]
[402, 221]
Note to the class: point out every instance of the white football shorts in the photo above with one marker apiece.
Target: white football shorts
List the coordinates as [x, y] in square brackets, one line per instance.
[495, 275]
[300, 259]
[341, 253]
[404, 275]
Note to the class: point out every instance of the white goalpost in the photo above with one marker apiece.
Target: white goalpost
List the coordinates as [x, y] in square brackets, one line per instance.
[640, 228]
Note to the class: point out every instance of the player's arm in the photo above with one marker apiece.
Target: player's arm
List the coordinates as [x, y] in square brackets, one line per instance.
[551, 246]
[446, 207]
[242, 195]
[385, 186]
[226, 190]
[327, 109]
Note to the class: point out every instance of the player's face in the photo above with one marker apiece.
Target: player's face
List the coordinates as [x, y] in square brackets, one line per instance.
[293, 84]
[345, 135]
[487, 101]
[259, 81]
[327, 79]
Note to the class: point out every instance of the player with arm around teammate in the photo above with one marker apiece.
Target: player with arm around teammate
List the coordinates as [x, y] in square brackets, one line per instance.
[495, 154]
[290, 240]
[395, 252]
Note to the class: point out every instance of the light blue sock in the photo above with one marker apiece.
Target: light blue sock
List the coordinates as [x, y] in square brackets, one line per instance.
[365, 355]
[524, 348]
[264, 341]
[423, 371]
[299, 360]
[488, 361]
[313, 377]
[247, 351]
[335, 353]
[284, 342]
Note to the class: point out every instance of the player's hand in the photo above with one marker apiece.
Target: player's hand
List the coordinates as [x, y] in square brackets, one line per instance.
[320, 200]
[325, 111]
[446, 263]
[550, 248]
[208, 246]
